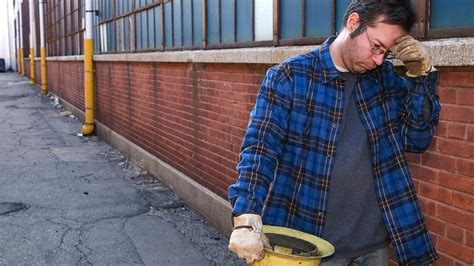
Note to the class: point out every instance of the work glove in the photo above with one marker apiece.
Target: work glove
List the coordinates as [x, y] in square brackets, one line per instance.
[247, 239]
[413, 54]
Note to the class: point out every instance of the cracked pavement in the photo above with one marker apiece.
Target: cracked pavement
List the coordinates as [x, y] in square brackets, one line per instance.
[72, 200]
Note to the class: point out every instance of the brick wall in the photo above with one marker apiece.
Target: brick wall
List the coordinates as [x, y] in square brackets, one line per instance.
[193, 117]
[444, 175]
[66, 80]
[38, 72]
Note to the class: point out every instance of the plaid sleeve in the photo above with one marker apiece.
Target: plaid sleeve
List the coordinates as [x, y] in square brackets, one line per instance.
[262, 142]
[417, 125]
[417, 131]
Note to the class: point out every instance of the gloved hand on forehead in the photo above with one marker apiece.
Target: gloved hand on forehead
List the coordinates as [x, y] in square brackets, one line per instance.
[413, 54]
[247, 239]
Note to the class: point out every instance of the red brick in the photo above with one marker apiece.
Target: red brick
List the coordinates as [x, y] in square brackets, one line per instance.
[428, 206]
[442, 129]
[433, 147]
[457, 79]
[434, 237]
[413, 157]
[457, 182]
[470, 134]
[463, 201]
[416, 185]
[470, 238]
[444, 260]
[459, 251]
[465, 167]
[435, 226]
[455, 233]
[240, 68]
[459, 217]
[424, 173]
[456, 131]
[447, 95]
[436, 193]
[466, 96]
[463, 114]
[439, 161]
[457, 148]
[458, 263]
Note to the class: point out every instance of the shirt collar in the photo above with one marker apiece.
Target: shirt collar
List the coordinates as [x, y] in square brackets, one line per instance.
[329, 70]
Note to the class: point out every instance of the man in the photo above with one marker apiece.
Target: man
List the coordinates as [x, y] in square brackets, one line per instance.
[324, 149]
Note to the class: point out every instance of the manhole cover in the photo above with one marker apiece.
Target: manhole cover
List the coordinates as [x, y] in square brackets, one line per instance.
[9, 207]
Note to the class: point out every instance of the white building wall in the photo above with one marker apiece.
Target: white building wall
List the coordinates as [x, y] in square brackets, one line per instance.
[7, 34]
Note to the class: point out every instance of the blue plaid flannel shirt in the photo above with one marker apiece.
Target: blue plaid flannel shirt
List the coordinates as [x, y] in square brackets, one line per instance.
[287, 155]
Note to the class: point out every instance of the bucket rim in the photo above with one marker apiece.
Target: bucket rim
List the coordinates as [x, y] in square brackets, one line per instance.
[326, 248]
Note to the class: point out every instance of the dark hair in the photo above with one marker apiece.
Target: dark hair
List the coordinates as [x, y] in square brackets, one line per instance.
[395, 12]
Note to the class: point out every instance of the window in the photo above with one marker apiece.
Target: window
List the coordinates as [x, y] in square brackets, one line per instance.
[64, 27]
[153, 25]
[451, 19]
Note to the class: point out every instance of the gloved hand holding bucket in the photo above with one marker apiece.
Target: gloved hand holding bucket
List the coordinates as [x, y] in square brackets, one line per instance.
[263, 245]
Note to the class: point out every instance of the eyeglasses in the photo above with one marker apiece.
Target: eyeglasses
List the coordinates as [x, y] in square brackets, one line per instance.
[377, 50]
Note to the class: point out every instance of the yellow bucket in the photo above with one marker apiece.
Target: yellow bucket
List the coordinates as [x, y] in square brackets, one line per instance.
[285, 254]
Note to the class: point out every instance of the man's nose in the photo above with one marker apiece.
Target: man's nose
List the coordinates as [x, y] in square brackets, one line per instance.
[378, 59]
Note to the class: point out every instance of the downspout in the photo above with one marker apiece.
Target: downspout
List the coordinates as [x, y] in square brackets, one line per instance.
[88, 127]
[22, 61]
[18, 56]
[32, 41]
[44, 90]
[9, 44]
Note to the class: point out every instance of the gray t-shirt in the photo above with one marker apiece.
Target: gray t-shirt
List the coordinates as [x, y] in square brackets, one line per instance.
[354, 222]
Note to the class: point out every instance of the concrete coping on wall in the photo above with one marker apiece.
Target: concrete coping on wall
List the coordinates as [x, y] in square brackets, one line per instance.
[444, 52]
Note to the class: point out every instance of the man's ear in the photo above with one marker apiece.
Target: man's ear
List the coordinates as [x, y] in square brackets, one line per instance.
[353, 22]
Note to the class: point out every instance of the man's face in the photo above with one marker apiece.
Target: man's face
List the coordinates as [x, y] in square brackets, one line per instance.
[360, 54]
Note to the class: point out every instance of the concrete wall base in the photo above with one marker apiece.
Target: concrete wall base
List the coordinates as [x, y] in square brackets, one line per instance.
[213, 209]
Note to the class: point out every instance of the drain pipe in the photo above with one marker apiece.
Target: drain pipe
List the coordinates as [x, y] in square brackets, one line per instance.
[9, 43]
[88, 127]
[20, 19]
[32, 42]
[44, 90]
[18, 56]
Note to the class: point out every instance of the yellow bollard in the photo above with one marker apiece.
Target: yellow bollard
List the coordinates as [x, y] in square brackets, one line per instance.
[88, 127]
[44, 90]
[32, 66]
[22, 62]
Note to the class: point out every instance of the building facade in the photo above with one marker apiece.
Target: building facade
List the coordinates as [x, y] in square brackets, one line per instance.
[175, 81]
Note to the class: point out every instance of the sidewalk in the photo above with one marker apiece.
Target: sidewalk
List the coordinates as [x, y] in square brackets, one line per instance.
[72, 200]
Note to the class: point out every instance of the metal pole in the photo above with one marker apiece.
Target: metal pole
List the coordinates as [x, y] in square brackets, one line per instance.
[22, 61]
[32, 41]
[88, 127]
[18, 50]
[44, 90]
[9, 36]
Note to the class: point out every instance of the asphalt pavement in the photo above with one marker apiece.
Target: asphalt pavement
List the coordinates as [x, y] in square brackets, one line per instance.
[66, 199]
